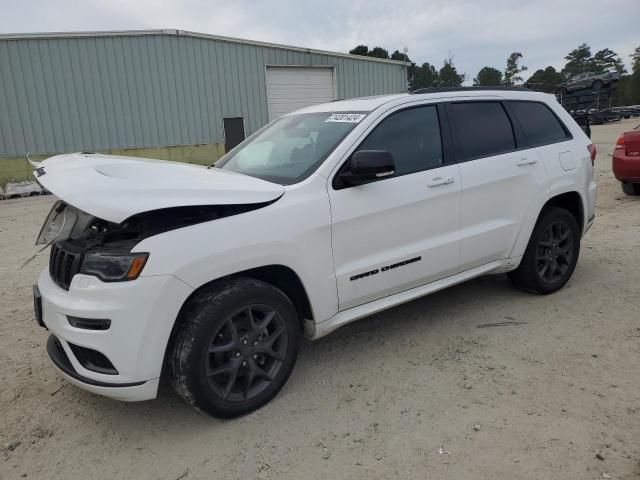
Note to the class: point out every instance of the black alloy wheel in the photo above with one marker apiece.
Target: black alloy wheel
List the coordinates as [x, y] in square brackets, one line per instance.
[551, 254]
[554, 253]
[246, 353]
[235, 345]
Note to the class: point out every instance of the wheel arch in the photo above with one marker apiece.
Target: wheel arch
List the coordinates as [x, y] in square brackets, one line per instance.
[280, 276]
[570, 200]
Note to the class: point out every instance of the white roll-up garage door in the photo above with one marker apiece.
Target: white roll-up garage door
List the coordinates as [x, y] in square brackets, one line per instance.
[291, 88]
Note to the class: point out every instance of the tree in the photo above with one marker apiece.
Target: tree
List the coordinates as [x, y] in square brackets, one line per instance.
[513, 70]
[488, 77]
[400, 56]
[378, 52]
[634, 87]
[578, 61]
[635, 60]
[629, 85]
[606, 60]
[448, 76]
[360, 50]
[545, 80]
[424, 76]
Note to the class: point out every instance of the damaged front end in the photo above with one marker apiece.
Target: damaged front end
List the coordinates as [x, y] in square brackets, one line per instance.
[83, 243]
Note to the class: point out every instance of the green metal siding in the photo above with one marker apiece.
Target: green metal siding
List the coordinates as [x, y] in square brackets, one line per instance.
[69, 94]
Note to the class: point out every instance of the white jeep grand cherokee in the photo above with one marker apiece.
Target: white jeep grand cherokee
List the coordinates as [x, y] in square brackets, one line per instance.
[324, 216]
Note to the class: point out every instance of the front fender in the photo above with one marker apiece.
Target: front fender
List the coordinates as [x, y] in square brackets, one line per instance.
[294, 232]
[318, 283]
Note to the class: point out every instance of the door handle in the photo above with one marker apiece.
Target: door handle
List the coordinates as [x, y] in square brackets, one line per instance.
[436, 181]
[526, 161]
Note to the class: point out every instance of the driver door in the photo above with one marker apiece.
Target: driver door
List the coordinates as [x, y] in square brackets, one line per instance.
[401, 231]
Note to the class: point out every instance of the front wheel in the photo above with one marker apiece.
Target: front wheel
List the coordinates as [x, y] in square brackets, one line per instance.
[551, 255]
[631, 188]
[235, 348]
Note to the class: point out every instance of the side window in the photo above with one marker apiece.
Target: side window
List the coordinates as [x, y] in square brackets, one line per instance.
[413, 138]
[481, 129]
[539, 125]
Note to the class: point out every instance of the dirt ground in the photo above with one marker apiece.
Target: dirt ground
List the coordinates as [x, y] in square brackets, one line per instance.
[415, 392]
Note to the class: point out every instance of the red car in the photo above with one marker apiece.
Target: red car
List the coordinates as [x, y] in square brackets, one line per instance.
[626, 161]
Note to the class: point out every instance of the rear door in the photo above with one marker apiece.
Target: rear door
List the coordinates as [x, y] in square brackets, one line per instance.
[500, 180]
[544, 132]
[401, 231]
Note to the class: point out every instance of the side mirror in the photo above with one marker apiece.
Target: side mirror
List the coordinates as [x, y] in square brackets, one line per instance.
[368, 166]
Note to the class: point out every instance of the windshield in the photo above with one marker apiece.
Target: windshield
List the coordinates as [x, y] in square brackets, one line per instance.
[291, 148]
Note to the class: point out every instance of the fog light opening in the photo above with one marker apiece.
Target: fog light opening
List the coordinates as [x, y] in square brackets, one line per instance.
[89, 323]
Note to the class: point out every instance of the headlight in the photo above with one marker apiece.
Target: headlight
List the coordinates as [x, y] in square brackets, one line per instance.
[113, 267]
[59, 223]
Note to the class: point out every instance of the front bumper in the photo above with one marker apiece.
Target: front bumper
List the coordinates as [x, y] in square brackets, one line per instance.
[131, 392]
[142, 314]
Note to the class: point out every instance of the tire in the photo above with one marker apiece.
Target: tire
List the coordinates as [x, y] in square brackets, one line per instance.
[555, 242]
[631, 188]
[235, 347]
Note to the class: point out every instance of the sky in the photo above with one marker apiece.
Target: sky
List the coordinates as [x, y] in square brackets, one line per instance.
[475, 33]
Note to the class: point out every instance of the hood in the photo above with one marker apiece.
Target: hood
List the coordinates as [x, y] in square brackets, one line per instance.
[114, 188]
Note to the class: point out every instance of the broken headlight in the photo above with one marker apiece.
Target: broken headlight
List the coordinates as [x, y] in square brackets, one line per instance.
[59, 223]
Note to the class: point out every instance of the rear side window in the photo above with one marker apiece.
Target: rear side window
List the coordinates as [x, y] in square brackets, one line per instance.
[413, 138]
[482, 129]
[539, 125]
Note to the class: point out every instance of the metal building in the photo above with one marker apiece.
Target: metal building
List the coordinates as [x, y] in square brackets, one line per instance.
[166, 94]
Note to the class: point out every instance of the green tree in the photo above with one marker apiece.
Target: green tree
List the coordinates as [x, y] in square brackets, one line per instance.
[606, 60]
[635, 60]
[360, 50]
[514, 69]
[578, 61]
[425, 76]
[448, 76]
[488, 77]
[629, 85]
[635, 78]
[378, 52]
[400, 56]
[545, 80]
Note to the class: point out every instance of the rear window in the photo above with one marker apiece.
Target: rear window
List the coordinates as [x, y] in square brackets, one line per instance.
[539, 124]
[482, 129]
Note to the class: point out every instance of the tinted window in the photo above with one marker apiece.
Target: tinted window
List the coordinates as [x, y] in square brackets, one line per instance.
[413, 138]
[482, 129]
[539, 125]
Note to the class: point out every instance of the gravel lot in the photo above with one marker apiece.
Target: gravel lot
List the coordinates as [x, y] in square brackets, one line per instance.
[415, 392]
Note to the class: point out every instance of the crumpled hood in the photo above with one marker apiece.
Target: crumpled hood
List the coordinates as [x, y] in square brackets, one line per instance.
[114, 187]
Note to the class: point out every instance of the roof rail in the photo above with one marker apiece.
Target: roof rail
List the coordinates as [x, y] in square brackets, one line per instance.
[467, 89]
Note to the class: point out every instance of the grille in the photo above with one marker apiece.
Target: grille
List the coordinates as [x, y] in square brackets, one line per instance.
[63, 265]
[93, 360]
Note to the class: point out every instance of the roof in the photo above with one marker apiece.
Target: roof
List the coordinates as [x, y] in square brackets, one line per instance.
[368, 104]
[186, 33]
[363, 104]
[469, 89]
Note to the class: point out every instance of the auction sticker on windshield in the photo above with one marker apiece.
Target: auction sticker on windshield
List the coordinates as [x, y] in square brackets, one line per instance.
[346, 117]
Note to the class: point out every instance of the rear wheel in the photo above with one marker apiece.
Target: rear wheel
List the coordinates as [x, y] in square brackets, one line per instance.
[551, 255]
[631, 188]
[235, 348]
